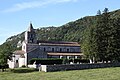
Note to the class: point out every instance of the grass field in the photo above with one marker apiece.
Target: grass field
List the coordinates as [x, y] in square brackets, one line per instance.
[89, 74]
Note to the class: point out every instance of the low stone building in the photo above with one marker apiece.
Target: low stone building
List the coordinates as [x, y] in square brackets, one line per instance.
[33, 48]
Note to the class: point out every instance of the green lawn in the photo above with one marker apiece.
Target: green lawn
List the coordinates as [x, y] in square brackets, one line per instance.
[89, 74]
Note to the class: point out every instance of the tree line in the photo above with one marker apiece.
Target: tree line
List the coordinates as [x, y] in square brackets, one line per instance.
[101, 42]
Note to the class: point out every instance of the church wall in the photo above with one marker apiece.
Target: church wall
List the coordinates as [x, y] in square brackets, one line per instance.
[36, 54]
[23, 46]
[32, 46]
[21, 62]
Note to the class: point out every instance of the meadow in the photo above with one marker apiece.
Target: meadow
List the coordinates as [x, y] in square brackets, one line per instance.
[88, 74]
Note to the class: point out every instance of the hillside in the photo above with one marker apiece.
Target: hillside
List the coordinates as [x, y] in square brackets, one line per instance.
[72, 31]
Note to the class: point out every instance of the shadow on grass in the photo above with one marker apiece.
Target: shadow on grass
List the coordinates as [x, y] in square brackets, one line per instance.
[23, 70]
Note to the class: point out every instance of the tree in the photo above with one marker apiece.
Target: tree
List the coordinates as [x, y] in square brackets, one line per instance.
[98, 12]
[114, 40]
[102, 31]
[5, 54]
[65, 61]
[88, 44]
[97, 38]
[107, 32]
[105, 11]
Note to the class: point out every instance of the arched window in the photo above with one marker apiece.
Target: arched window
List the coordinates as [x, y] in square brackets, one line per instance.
[67, 50]
[52, 49]
[44, 49]
[60, 49]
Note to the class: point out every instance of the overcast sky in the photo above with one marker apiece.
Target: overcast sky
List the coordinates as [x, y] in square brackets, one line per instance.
[15, 15]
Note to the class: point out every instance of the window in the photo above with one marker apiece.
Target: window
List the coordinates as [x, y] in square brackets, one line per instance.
[52, 49]
[67, 50]
[24, 47]
[44, 49]
[16, 61]
[60, 49]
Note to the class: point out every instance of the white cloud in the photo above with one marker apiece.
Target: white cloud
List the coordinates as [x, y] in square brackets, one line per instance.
[34, 4]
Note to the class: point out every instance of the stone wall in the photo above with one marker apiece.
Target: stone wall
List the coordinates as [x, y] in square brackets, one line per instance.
[51, 68]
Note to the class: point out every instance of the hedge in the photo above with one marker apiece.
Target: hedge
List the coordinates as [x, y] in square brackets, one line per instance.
[52, 61]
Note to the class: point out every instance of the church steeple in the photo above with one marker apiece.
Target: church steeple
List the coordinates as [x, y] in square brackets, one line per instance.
[30, 27]
[30, 35]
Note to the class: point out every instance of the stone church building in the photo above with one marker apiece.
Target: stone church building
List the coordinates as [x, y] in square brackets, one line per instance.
[33, 48]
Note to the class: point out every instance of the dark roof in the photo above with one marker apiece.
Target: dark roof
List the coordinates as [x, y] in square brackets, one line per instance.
[58, 43]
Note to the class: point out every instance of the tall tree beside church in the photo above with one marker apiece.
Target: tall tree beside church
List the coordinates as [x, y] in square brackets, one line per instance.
[95, 41]
[88, 44]
[114, 40]
[101, 35]
[102, 41]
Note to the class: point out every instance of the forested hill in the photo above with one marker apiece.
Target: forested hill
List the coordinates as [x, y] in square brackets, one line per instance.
[72, 31]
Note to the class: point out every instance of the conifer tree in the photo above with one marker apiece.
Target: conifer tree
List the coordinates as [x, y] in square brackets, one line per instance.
[101, 35]
[88, 44]
[114, 40]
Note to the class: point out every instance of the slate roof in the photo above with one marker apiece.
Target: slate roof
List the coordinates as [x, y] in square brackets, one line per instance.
[58, 43]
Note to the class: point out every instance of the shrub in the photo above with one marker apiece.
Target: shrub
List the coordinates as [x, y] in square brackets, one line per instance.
[23, 66]
[81, 60]
[65, 61]
[4, 66]
[23, 70]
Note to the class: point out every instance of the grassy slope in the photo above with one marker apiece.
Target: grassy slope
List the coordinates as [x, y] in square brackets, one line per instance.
[90, 74]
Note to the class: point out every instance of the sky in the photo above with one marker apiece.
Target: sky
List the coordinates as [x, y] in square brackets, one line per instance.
[15, 15]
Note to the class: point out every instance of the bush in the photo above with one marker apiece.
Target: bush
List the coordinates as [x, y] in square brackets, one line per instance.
[4, 66]
[81, 60]
[23, 66]
[65, 61]
[23, 70]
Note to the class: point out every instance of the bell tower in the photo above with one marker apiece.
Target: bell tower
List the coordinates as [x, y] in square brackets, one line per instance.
[30, 35]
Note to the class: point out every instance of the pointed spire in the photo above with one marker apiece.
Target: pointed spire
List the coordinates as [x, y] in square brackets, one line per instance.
[30, 27]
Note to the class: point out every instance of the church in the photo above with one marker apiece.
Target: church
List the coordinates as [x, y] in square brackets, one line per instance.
[33, 48]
